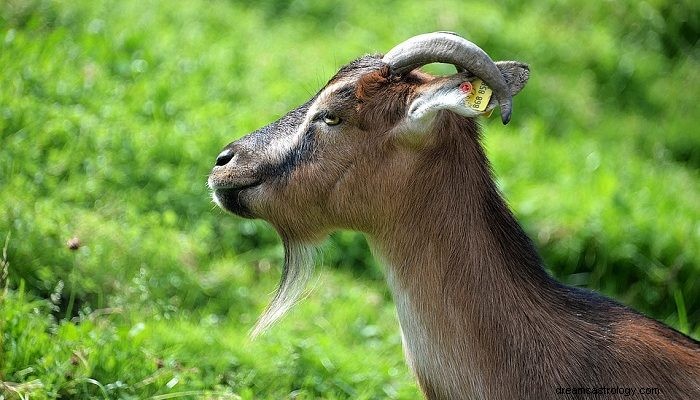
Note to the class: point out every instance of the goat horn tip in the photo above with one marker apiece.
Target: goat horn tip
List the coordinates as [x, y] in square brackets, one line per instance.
[506, 111]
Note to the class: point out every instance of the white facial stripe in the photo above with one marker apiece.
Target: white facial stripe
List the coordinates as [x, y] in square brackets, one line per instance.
[278, 149]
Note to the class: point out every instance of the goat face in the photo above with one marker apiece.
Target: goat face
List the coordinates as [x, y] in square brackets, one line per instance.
[349, 157]
[334, 161]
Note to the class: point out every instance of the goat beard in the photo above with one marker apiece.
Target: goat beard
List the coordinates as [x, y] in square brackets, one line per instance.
[297, 271]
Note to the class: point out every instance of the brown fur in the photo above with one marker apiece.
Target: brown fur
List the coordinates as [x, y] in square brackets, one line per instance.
[480, 317]
[522, 331]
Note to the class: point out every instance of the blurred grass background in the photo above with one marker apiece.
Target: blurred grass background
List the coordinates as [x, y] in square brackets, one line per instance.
[112, 113]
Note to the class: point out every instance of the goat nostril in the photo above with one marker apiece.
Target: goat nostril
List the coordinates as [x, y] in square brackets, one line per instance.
[224, 157]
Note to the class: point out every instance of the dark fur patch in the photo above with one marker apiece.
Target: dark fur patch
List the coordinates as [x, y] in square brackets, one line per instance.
[300, 154]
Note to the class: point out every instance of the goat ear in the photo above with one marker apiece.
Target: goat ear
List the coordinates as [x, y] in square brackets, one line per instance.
[442, 93]
[515, 73]
[458, 94]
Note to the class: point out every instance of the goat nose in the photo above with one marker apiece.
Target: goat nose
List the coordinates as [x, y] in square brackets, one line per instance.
[224, 157]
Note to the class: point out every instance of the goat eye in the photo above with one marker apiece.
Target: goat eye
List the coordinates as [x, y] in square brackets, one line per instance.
[331, 119]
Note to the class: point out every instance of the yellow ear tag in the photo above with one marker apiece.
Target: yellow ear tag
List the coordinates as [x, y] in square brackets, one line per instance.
[479, 97]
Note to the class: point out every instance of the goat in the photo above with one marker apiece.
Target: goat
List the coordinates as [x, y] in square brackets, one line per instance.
[395, 153]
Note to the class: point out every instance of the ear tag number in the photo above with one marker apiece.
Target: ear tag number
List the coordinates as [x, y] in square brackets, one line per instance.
[478, 98]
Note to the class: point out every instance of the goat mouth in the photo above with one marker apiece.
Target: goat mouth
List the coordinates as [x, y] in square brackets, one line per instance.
[231, 199]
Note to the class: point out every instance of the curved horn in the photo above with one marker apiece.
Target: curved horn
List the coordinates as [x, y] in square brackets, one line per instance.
[450, 48]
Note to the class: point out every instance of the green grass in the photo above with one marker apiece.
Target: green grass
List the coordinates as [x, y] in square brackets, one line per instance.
[111, 115]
